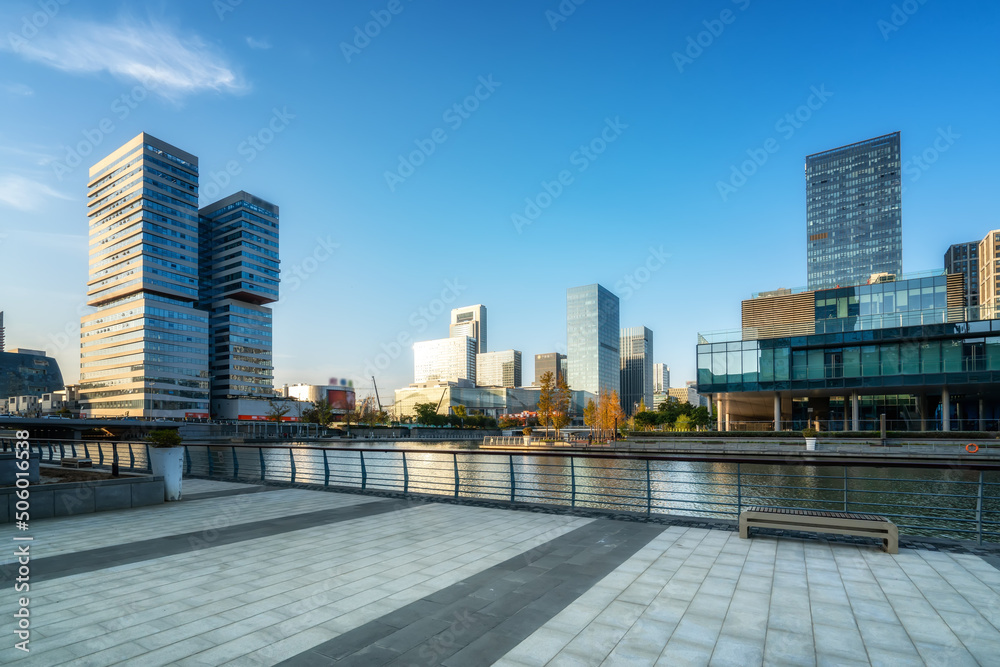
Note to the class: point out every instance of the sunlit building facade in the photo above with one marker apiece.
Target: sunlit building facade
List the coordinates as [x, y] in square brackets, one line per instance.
[445, 359]
[592, 339]
[498, 369]
[470, 321]
[636, 349]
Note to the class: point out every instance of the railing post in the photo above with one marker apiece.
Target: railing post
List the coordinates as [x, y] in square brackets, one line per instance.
[649, 491]
[208, 452]
[72, 448]
[455, 457]
[114, 460]
[406, 475]
[291, 460]
[572, 478]
[513, 483]
[364, 472]
[100, 453]
[50, 451]
[979, 511]
[187, 456]
[149, 459]
[62, 451]
[131, 457]
[236, 464]
[845, 488]
[326, 470]
[739, 491]
[86, 450]
[260, 453]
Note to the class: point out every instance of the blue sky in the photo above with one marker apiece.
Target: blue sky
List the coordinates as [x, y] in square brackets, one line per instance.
[613, 119]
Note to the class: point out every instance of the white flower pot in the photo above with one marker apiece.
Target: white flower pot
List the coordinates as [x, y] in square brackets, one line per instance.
[168, 462]
[527, 441]
[810, 444]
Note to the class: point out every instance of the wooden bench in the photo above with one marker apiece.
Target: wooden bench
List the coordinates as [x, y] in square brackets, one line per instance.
[76, 462]
[838, 523]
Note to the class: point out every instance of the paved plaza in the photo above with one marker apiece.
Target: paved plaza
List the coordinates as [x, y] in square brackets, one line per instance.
[237, 574]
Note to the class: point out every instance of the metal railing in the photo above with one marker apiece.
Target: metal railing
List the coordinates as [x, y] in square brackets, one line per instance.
[129, 456]
[960, 501]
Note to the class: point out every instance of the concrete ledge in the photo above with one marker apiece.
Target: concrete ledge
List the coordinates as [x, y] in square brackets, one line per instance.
[73, 498]
[9, 469]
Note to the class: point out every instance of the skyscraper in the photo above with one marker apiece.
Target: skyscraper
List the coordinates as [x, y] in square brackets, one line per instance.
[157, 272]
[661, 378]
[1, 332]
[445, 359]
[239, 269]
[470, 321]
[636, 350]
[592, 339]
[498, 369]
[989, 275]
[964, 258]
[550, 362]
[854, 212]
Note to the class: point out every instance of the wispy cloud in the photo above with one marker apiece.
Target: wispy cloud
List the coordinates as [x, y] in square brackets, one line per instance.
[19, 89]
[254, 43]
[25, 194]
[151, 53]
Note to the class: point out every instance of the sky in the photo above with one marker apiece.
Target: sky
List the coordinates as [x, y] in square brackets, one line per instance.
[427, 156]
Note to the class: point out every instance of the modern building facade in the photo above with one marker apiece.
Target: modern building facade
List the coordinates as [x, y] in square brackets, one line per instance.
[239, 271]
[636, 358]
[470, 321]
[964, 258]
[445, 359]
[498, 369]
[28, 373]
[173, 288]
[989, 272]
[2, 348]
[592, 339]
[908, 349]
[489, 401]
[550, 362]
[854, 212]
[661, 378]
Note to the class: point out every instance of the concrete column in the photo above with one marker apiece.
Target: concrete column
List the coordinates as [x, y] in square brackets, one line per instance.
[922, 410]
[718, 412]
[945, 410]
[847, 413]
[982, 417]
[855, 412]
[777, 411]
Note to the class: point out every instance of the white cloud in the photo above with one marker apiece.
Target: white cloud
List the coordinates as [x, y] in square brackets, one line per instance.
[153, 54]
[21, 89]
[258, 43]
[25, 194]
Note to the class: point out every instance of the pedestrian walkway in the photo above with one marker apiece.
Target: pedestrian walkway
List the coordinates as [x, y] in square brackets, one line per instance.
[247, 575]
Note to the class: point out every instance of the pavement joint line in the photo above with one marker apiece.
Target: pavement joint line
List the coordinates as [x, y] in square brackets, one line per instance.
[228, 492]
[101, 558]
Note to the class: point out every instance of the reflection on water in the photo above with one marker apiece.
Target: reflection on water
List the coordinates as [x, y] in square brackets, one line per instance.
[938, 502]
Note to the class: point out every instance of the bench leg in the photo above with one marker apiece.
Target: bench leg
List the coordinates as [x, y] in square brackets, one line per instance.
[744, 528]
[891, 542]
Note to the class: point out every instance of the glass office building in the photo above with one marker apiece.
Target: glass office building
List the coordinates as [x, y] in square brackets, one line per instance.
[498, 369]
[908, 348]
[854, 212]
[450, 359]
[592, 339]
[469, 321]
[964, 258]
[636, 349]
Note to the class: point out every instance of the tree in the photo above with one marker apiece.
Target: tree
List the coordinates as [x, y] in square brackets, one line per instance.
[546, 401]
[319, 412]
[683, 423]
[460, 411]
[700, 416]
[590, 415]
[427, 414]
[276, 411]
[561, 405]
[645, 420]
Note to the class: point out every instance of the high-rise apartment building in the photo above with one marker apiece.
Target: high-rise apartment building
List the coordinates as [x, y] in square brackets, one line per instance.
[550, 362]
[240, 271]
[592, 339]
[661, 378]
[158, 271]
[498, 369]
[854, 212]
[636, 357]
[964, 258]
[470, 321]
[989, 272]
[445, 359]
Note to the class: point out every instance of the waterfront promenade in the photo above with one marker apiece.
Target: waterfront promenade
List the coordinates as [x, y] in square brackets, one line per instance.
[260, 575]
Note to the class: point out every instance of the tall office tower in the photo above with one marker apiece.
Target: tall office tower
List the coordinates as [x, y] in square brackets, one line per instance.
[145, 350]
[239, 274]
[592, 339]
[989, 285]
[445, 359]
[1, 332]
[498, 369]
[854, 224]
[964, 258]
[550, 362]
[636, 350]
[470, 321]
[661, 378]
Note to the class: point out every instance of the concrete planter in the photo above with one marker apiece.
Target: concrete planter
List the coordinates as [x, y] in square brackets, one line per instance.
[527, 441]
[168, 462]
[810, 444]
